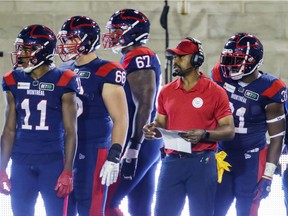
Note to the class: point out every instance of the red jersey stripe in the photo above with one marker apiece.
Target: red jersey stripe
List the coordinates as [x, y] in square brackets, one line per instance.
[274, 88]
[139, 51]
[97, 201]
[65, 78]
[106, 68]
[9, 79]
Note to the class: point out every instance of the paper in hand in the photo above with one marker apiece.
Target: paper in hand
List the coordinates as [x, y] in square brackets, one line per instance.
[174, 142]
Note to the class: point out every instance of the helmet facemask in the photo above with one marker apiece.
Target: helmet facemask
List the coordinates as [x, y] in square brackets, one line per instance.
[114, 38]
[70, 46]
[78, 36]
[237, 60]
[25, 56]
[35, 45]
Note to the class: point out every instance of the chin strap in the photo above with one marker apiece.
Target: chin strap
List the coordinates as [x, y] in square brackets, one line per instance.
[30, 69]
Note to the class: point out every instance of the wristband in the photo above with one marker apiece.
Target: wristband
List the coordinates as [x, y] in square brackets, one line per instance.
[207, 135]
[114, 153]
[269, 169]
[133, 144]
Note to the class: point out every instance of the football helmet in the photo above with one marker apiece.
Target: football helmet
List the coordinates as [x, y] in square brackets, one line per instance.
[34, 46]
[78, 35]
[241, 56]
[126, 27]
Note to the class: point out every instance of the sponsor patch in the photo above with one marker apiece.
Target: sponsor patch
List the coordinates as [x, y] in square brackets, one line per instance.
[252, 95]
[84, 74]
[229, 88]
[23, 85]
[46, 86]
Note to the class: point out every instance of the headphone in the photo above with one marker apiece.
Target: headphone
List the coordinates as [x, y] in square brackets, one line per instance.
[197, 58]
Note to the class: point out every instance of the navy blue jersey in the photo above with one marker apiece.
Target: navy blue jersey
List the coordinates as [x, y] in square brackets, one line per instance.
[94, 122]
[39, 126]
[140, 58]
[286, 114]
[248, 106]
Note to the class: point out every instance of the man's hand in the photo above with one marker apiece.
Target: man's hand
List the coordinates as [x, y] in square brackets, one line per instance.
[264, 185]
[64, 184]
[4, 181]
[151, 132]
[263, 188]
[130, 159]
[109, 173]
[110, 170]
[194, 135]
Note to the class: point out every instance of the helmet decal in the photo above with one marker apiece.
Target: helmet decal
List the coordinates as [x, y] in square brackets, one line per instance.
[126, 27]
[78, 35]
[34, 46]
[241, 56]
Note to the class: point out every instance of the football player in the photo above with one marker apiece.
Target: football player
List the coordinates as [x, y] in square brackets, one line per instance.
[256, 99]
[102, 114]
[40, 123]
[285, 151]
[128, 32]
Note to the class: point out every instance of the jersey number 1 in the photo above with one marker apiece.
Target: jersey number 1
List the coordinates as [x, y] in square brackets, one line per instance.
[240, 112]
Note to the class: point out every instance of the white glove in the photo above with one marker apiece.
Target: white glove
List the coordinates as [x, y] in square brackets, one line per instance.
[109, 173]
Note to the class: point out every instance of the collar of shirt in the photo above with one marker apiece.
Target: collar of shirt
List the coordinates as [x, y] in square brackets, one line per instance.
[179, 84]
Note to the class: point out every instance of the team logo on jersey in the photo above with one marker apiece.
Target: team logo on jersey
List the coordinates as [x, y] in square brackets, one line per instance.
[229, 88]
[84, 74]
[46, 86]
[197, 102]
[81, 156]
[23, 85]
[241, 89]
[247, 156]
[252, 95]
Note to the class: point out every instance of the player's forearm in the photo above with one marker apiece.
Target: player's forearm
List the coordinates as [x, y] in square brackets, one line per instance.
[141, 118]
[119, 131]
[6, 149]
[276, 130]
[274, 150]
[70, 150]
[224, 132]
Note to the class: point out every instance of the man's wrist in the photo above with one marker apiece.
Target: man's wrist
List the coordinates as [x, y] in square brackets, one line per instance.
[269, 170]
[206, 135]
[67, 172]
[134, 144]
[114, 153]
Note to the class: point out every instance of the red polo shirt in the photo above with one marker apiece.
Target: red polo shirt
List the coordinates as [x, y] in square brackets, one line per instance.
[199, 108]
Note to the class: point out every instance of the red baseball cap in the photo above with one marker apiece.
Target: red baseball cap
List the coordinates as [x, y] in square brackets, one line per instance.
[185, 47]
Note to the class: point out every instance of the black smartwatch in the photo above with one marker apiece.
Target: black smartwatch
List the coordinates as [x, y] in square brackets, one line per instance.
[206, 135]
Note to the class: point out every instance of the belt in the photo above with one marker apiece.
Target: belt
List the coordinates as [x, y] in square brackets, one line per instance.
[186, 155]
